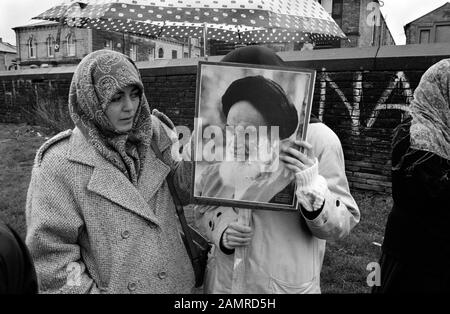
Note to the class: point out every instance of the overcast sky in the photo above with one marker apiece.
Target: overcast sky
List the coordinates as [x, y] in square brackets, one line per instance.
[397, 12]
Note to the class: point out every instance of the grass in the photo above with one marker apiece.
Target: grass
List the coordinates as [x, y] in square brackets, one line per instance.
[344, 268]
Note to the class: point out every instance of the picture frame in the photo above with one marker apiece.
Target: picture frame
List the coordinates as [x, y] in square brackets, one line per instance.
[272, 94]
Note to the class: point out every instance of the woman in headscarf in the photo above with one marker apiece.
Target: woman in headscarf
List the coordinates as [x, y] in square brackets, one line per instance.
[416, 244]
[283, 250]
[99, 213]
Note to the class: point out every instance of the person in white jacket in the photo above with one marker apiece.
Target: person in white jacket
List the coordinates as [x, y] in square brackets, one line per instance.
[282, 251]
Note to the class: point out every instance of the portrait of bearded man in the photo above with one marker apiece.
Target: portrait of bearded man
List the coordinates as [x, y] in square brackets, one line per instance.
[268, 249]
[259, 119]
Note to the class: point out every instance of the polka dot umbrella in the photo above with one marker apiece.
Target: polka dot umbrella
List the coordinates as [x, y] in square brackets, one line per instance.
[235, 21]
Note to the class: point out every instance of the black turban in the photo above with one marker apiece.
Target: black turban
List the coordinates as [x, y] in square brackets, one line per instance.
[258, 55]
[268, 98]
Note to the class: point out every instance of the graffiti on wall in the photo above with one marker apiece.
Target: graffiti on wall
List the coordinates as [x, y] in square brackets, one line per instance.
[399, 81]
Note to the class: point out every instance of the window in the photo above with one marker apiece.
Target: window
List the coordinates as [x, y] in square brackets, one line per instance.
[442, 33]
[32, 48]
[174, 54]
[133, 52]
[109, 44]
[71, 51]
[424, 36]
[160, 53]
[186, 55]
[50, 47]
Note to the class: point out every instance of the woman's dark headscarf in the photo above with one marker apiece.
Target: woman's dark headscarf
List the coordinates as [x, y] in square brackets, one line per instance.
[98, 77]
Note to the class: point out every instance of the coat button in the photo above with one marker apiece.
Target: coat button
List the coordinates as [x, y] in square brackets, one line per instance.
[338, 203]
[125, 234]
[132, 286]
[162, 275]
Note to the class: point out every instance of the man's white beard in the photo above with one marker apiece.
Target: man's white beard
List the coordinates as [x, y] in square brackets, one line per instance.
[239, 175]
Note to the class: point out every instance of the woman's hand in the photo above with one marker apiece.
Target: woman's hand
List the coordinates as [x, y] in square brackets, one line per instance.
[236, 235]
[294, 159]
[161, 116]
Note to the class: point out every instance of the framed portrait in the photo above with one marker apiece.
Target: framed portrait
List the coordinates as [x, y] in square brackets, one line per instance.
[244, 115]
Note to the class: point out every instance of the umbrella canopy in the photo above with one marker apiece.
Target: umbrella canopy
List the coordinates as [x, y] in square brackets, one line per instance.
[238, 21]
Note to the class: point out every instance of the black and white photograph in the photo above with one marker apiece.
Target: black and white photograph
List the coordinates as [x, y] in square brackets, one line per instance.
[244, 115]
[223, 153]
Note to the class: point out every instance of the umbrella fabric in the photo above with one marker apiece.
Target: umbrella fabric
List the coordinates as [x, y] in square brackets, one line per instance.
[246, 21]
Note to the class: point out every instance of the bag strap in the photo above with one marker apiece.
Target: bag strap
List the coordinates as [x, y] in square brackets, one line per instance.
[188, 241]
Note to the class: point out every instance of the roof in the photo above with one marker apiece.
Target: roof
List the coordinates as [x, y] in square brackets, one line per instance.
[447, 3]
[8, 48]
[35, 24]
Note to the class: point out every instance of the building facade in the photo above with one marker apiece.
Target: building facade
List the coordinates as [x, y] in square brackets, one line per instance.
[433, 27]
[8, 55]
[361, 20]
[38, 45]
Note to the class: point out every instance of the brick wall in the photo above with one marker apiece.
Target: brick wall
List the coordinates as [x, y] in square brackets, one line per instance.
[362, 98]
[350, 22]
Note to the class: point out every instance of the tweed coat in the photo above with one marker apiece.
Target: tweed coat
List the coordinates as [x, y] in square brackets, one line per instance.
[90, 230]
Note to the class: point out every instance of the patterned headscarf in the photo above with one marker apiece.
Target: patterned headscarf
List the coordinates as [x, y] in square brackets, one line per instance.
[98, 77]
[430, 111]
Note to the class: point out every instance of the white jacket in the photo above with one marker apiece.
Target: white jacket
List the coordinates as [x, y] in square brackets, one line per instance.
[287, 250]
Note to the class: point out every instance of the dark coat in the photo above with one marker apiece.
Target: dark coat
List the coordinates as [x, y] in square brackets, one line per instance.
[17, 274]
[417, 237]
